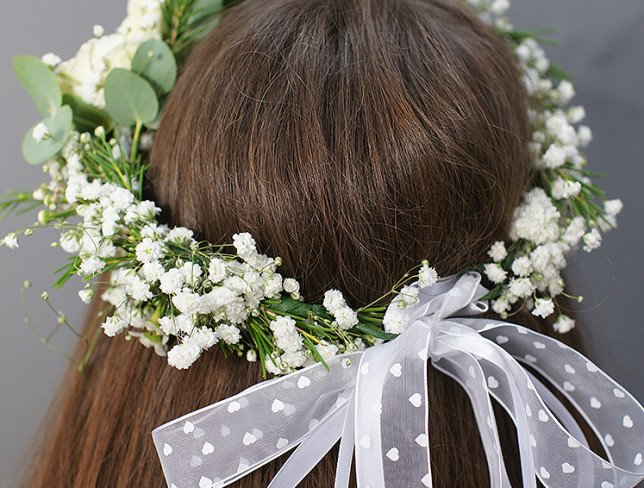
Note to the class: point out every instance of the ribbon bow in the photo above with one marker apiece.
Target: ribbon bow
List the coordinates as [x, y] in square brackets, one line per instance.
[375, 403]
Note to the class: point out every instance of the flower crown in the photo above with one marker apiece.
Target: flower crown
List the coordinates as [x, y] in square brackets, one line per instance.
[183, 296]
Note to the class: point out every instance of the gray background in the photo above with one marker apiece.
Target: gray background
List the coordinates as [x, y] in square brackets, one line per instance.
[603, 45]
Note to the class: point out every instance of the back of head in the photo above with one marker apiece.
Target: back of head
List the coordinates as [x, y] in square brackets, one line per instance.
[352, 138]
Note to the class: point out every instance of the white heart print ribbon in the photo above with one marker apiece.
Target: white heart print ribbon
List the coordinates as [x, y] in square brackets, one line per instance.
[375, 403]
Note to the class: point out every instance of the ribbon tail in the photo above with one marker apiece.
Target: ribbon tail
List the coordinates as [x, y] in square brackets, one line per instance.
[309, 453]
[345, 456]
[559, 410]
[464, 369]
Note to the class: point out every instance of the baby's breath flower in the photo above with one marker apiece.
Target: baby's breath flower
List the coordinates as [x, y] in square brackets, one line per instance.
[113, 325]
[148, 250]
[576, 114]
[592, 240]
[521, 266]
[346, 318]
[91, 266]
[294, 359]
[495, 273]
[291, 286]
[180, 235]
[40, 132]
[565, 92]
[521, 287]
[51, 59]
[203, 337]
[554, 157]
[574, 232]
[187, 302]
[217, 270]
[543, 307]
[98, 30]
[427, 276]
[333, 300]
[563, 324]
[251, 356]
[613, 207]
[183, 355]
[152, 271]
[10, 241]
[409, 295]
[584, 135]
[501, 306]
[497, 252]
[395, 322]
[228, 333]
[244, 244]
[86, 295]
[326, 350]
[171, 281]
[191, 272]
[536, 219]
[273, 364]
[562, 189]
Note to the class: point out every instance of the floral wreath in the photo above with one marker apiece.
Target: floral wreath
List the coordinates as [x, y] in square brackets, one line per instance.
[183, 296]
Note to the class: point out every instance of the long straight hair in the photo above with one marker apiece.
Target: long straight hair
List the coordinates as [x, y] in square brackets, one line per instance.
[352, 138]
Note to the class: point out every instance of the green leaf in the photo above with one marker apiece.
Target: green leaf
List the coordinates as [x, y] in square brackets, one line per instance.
[316, 354]
[203, 9]
[288, 305]
[558, 74]
[87, 117]
[130, 99]
[59, 125]
[375, 331]
[39, 82]
[155, 62]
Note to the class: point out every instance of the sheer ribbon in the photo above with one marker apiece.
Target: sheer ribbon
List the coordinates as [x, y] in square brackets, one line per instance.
[375, 403]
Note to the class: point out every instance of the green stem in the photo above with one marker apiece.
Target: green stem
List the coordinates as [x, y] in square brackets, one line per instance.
[135, 140]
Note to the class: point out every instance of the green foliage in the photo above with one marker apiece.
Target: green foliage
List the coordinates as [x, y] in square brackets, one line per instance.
[126, 172]
[39, 82]
[376, 332]
[556, 73]
[296, 308]
[129, 98]
[87, 117]
[59, 124]
[155, 62]
[186, 21]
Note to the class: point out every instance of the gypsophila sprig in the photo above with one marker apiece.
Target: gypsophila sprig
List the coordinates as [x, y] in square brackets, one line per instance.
[182, 296]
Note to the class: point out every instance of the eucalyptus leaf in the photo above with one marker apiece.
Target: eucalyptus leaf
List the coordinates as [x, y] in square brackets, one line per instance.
[87, 117]
[155, 62]
[39, 82]
[129, 98]
[58, 124]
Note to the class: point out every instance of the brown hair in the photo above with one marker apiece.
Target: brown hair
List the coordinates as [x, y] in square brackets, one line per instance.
[353, 138]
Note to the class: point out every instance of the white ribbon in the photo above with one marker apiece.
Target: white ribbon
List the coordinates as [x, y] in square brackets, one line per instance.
[375, 401]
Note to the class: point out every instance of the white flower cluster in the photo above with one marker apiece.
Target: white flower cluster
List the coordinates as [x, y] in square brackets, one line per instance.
[210, 302]
[396, 320]
[544, 229]
[85, 73]
[345, 316]
[289, 341]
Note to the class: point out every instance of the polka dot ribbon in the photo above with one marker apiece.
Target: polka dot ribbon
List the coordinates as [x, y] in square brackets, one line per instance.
[375, 403]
